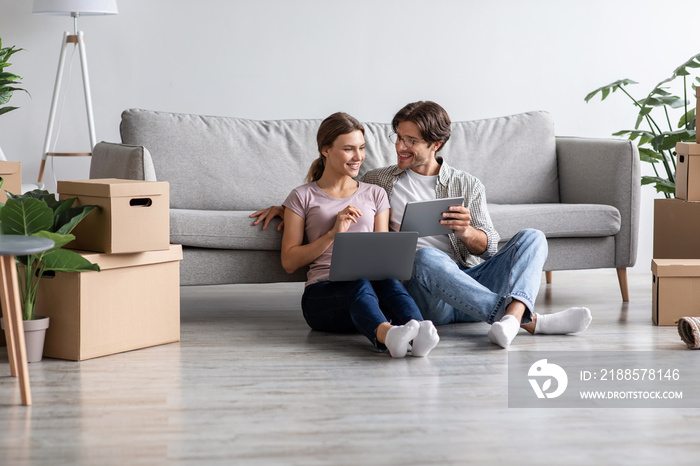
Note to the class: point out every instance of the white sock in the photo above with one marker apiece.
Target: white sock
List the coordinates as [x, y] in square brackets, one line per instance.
[399, 336]
[504, 331]
[572, 320]
[426, 340]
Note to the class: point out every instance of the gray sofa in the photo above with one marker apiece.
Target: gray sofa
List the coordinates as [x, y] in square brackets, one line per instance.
[582, 193]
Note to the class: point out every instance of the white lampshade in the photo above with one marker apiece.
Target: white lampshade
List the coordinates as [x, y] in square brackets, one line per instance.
[73, 7]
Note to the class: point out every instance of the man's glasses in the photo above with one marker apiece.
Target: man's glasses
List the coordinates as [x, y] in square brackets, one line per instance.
[408, 142]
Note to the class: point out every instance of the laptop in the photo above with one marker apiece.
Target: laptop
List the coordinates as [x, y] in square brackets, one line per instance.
[424, 216]
[373, 255]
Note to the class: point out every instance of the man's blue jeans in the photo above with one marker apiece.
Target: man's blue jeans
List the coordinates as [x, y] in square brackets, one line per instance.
[360, 305]
[447, 292]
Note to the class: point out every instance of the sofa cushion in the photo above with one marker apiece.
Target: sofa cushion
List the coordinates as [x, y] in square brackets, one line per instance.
[234, 229]
[556, 220]
[523, 143]
[123, 161]
[379, 150]
[222, 229]
[240, 164]
[228, 163]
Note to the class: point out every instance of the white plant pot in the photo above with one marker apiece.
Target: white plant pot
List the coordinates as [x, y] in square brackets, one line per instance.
[34, 336]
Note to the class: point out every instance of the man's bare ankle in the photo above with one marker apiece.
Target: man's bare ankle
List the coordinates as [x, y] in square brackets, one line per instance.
[530, 327]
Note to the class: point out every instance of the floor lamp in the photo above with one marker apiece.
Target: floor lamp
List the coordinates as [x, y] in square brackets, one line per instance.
[75, 9]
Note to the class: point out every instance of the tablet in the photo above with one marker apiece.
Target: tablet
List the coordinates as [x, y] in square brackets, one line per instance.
[424, 216]
[373, 255]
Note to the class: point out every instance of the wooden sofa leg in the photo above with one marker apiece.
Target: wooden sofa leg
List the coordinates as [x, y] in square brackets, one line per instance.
[622, 278]
[548, 276]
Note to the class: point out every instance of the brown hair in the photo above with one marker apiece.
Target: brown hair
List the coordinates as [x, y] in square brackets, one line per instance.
[335, 125]
[432, 121]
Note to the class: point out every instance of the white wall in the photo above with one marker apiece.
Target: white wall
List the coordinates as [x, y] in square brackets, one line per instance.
[266, 59]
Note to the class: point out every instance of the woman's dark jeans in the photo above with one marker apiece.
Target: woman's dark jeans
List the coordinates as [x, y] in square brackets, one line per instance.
[360, 305]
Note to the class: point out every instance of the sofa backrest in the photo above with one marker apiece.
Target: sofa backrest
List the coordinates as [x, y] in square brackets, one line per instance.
[225, 163]
[514, 156]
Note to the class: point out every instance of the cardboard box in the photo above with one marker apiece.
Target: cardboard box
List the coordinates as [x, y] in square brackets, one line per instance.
[11, 175]
[134, 215]
[688, 171]
[676, 229]
[132, 302]
[675, 290]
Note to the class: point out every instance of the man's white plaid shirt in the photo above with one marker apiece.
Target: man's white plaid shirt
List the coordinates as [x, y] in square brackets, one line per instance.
[451, 183]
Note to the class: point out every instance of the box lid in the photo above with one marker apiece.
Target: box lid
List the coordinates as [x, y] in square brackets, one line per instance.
[688, 148]
[112, 187]
[116, 261]
[675, 267]
[9, 168]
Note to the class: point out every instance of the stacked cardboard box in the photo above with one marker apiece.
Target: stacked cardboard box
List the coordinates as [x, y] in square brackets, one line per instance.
[134, 301]
[11, 176]
[676, 259]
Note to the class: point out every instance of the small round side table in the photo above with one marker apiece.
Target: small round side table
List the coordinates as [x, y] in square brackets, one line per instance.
[11, 246]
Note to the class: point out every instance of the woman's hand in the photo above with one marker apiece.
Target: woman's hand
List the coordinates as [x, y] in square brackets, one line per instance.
[295, 253]
[266, 215]
[345, 218]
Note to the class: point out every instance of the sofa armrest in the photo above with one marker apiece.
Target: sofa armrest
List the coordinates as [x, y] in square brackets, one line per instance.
[604, 171]
[110, 160]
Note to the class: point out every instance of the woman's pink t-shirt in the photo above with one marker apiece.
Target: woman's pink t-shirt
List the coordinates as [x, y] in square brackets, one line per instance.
[319, 211]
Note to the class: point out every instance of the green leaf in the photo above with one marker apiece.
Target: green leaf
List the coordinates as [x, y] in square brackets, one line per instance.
[5, 97]
[644, 111]
[670, 100]
[59, 239]
[25, 217]
[39, 194]
[693, 62]
[687, 120]
[648, 155]
[645, 140]
[8, 81]
[9, 77]
[7, 109]
[65, 260]
[635, 133]
[66, 221]
[659, 91]
[9, 88]
[662, 185]
[667, 140]
[60, 211]
[606, 90]
[7, 52]
[64, 217]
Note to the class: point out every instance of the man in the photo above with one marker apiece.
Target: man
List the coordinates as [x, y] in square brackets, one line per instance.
[461, 277]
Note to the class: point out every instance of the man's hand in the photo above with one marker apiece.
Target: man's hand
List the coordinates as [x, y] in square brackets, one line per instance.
[266, 215]
[459, 219]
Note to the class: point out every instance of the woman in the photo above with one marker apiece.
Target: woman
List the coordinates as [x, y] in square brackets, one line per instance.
[332, 202]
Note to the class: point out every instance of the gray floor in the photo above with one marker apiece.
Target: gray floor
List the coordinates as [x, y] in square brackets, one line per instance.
[250, 384]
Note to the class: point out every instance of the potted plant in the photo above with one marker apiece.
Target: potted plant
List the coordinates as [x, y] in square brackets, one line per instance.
[657, 144]
[8, 82]
[38, 213]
